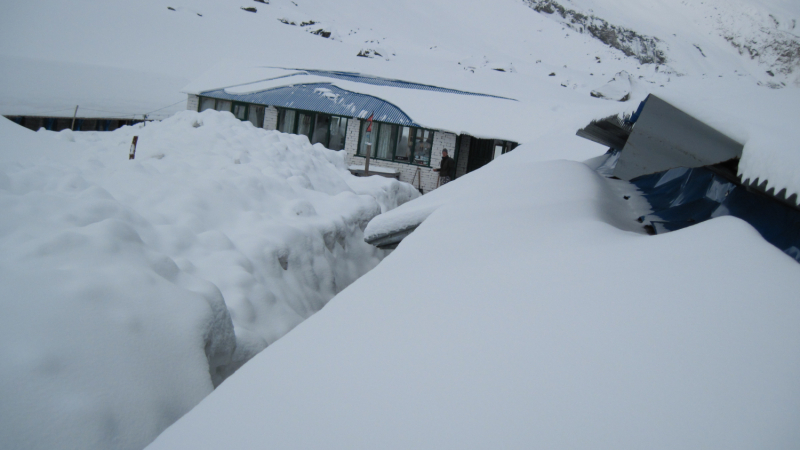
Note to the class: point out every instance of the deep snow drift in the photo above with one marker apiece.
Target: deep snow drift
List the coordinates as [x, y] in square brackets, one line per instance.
[552, 322]
[131, 288]
[547, 325]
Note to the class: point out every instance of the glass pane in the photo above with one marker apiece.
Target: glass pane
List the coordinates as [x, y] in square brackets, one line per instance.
[338, 133]
[321, 128]
[498, 150]
[373, 138]
[223, 105]
[304, 124]
[286, 121]
[386, 138]
[240, 111]
[404, 144]
[207, 103]
[423, 146]
[256, 116]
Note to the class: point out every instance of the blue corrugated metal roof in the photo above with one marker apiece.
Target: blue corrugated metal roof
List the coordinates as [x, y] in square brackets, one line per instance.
[324, 98]
[378, 81]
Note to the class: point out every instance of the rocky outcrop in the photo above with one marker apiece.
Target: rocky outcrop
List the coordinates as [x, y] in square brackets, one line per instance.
[646, 49]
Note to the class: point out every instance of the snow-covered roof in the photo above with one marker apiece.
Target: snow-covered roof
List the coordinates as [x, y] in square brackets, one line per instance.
[342, 93]
[321, 97]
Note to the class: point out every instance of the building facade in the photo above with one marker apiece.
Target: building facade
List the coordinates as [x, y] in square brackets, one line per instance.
[338, 119]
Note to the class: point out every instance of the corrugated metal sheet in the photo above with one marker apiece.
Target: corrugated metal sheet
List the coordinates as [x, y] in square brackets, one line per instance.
[378, 81]
[324, 98]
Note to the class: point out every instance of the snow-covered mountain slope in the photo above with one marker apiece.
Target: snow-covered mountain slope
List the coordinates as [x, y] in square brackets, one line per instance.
[169, 42]
[408, 355]
[551, 324]
[132, 288]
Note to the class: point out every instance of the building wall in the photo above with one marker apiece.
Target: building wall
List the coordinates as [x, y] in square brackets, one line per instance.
[193, 102]
[463, 156]
[427, 178]
[351, 139]
[270, 118]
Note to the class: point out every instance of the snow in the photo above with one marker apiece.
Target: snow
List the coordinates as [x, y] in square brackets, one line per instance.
[527, 310]
[376, 169]
[550, 321]
[132, 288]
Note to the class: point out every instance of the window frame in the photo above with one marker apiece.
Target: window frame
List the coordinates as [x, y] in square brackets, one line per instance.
[411, 150]
[313, 115]
[246, 107]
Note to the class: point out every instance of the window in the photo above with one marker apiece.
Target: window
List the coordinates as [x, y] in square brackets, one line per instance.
[286, 120]
[322, 127]
[207, 103]
[372, 138]
[396, 143]
[304, 121]
[240, 111]
[404, 145]
[330, 131]
[338, 133]
[223, 105]
[498, 149]
[423, 144]
[256, 116]
[386, 137]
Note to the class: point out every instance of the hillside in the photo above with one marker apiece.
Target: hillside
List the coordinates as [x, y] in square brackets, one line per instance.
[133, 58]
[554, 322]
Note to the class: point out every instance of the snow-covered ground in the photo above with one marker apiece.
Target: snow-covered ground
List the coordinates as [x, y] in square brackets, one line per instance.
[554, 322]
[551, 321]
[132, 288]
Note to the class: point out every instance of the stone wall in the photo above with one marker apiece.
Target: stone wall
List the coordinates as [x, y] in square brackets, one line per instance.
[193, 102]
[351, 138]
[270, 118]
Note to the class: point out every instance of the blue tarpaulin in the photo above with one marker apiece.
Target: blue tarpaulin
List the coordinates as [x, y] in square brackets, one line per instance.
[682, 197]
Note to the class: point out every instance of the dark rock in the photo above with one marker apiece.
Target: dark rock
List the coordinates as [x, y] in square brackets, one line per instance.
[644, 48]
[321, 32]
[552, 74]
[249, 9]
[170, 8]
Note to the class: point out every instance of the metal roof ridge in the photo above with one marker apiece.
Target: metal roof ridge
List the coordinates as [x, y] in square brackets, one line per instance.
[416, 85]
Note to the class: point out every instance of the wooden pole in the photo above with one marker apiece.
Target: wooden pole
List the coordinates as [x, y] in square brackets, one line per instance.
[369, 145]
[74, 115]
[369, 152]
[132, 154]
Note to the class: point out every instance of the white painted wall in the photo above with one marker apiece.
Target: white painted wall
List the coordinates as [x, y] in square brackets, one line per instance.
[192, 102]
[270, 118]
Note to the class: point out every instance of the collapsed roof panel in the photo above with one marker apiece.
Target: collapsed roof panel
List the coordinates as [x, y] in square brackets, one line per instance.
[682, 197]
[664, 137]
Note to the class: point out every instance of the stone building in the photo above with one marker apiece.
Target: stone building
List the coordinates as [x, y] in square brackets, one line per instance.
[313, 103]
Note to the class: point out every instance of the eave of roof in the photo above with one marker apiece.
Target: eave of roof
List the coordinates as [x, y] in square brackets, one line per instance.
[323, 98]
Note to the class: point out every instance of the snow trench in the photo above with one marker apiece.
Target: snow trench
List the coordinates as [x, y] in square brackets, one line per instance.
[133, 288]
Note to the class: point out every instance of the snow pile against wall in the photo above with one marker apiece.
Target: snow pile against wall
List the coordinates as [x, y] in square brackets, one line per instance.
[132, 288]
[551, 322]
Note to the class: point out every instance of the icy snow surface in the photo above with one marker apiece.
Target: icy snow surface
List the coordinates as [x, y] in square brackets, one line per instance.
[530, 311]
[131, 288]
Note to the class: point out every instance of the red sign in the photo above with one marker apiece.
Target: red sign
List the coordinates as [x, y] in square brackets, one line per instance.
[369, 127]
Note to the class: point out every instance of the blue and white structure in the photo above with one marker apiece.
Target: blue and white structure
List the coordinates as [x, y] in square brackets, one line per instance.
[332, 108]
